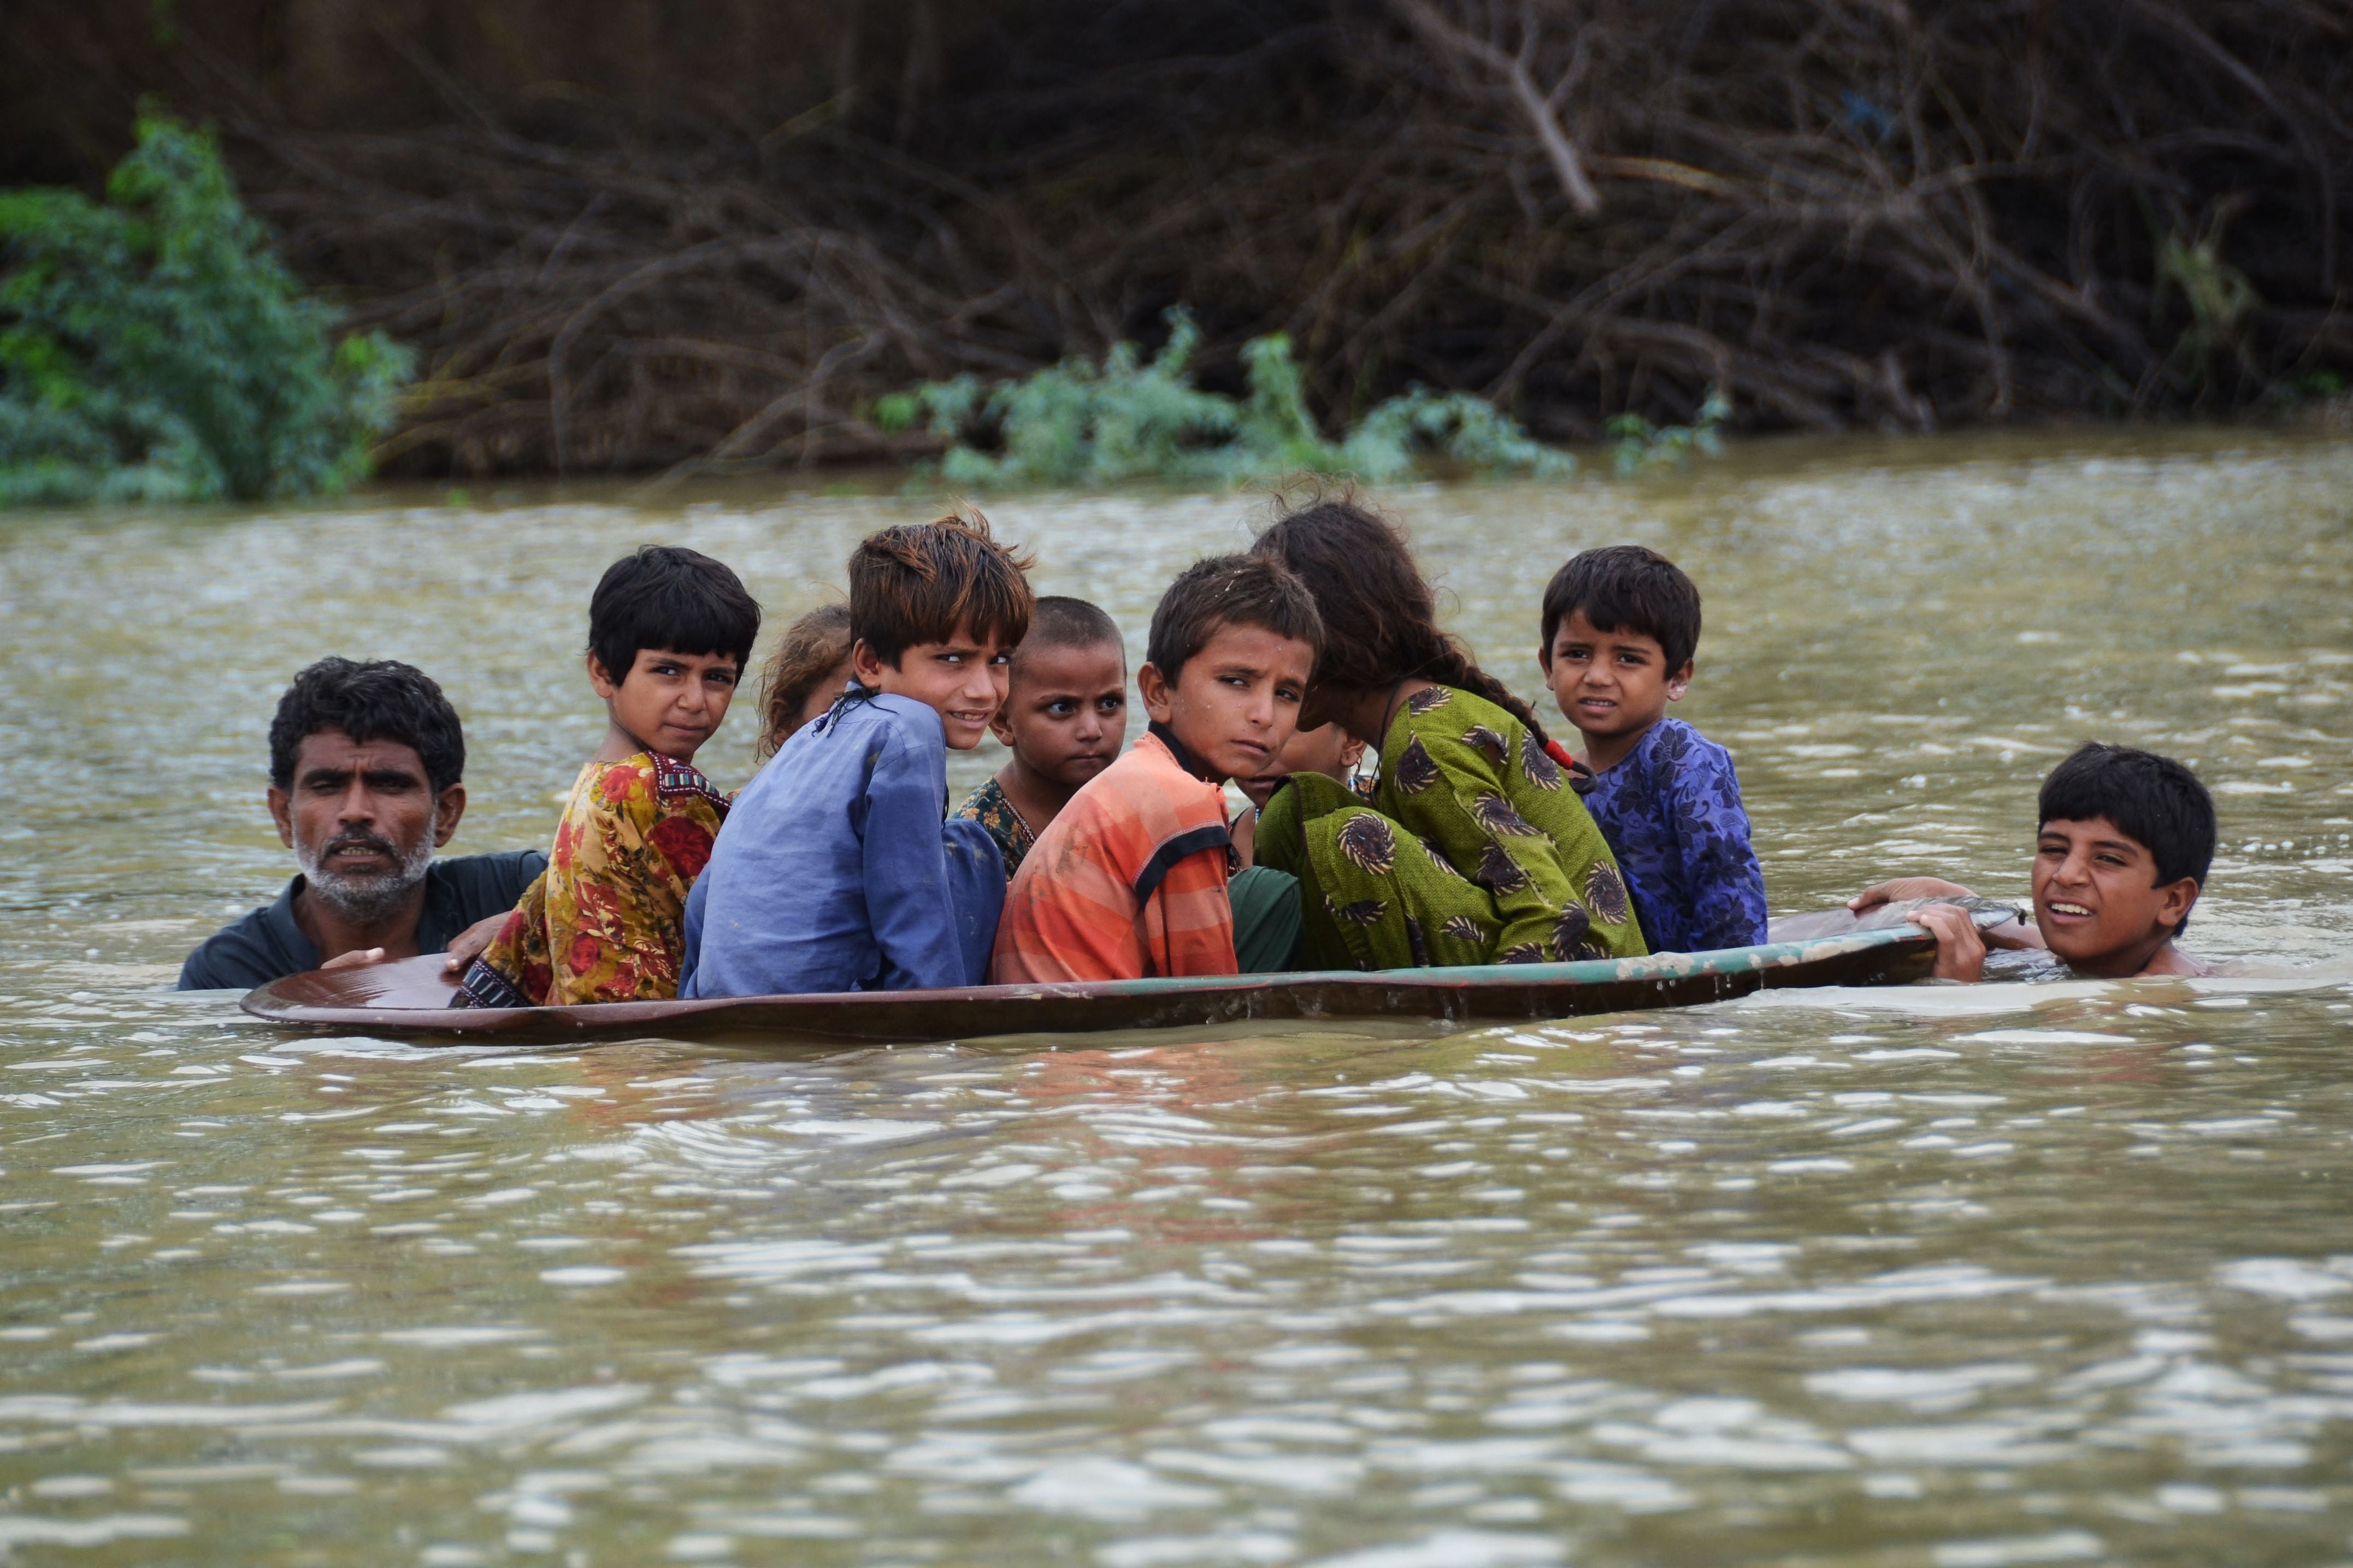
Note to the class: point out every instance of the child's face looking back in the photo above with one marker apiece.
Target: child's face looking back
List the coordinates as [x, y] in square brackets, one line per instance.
[962, 679]
[1065, 713]
[1234, 703]
[670, 702]
[2097, 899]
[1613, 683]
[1328, 749]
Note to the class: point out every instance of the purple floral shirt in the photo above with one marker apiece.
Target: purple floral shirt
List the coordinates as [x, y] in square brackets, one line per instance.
[1671, 810]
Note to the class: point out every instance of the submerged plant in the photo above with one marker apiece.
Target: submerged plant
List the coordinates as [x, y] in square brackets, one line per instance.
[1083, 423]
[153, 348]
[1636, 444]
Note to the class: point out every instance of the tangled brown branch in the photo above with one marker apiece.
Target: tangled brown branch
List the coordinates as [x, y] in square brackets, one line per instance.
[1843, 212]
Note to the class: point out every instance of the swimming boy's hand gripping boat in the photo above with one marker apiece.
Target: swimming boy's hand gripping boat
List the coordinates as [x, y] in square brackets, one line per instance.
[1835, 948]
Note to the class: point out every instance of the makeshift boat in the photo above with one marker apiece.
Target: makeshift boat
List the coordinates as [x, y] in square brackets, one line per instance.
[411, 997]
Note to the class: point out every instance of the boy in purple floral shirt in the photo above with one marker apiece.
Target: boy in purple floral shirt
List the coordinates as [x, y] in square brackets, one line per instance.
[1621, 625]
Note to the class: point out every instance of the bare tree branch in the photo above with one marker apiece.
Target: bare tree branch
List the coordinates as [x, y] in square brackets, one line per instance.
[1568, 166]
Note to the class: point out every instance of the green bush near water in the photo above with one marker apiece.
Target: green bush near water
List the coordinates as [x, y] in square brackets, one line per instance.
[1081, 423]
[153, 348]
[1637, 445]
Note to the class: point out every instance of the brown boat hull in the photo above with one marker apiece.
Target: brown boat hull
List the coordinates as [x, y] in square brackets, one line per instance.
[410, 999]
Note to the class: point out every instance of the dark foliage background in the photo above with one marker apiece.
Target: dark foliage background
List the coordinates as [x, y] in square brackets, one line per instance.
[643, 235]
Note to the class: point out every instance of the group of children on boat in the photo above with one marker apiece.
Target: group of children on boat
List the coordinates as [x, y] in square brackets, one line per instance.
[1479, 838]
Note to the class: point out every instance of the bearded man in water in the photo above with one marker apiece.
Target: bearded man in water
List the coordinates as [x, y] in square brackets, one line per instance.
[366, 781]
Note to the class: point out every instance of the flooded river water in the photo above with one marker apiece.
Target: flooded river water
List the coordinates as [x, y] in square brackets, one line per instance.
[1930, 1276]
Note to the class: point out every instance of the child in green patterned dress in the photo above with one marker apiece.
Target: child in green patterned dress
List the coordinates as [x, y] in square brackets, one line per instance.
[1475, 848]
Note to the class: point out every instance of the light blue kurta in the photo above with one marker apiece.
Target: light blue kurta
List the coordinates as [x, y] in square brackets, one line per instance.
[836, 870]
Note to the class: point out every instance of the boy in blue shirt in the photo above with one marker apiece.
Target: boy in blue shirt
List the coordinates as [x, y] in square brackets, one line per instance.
[1621, 625]
[836, 870]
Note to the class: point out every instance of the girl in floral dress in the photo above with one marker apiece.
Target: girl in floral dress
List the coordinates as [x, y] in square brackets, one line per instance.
[605, 921]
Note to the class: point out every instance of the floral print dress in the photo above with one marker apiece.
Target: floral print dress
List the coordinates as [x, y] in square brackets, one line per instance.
[989, 806]
[606, 921]
[1671, 809]
[1475, 849]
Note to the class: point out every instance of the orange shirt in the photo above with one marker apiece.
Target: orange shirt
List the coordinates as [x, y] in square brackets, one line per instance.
[1129, 880]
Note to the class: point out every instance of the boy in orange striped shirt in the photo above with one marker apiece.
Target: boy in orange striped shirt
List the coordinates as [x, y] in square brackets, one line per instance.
[1131, 878]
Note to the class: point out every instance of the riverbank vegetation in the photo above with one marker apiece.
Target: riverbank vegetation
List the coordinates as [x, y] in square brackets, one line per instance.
[1081, 423]
[645, 241]
[153, 347]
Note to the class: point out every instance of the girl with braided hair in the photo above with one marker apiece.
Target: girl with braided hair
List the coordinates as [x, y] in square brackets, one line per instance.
[1475, 848]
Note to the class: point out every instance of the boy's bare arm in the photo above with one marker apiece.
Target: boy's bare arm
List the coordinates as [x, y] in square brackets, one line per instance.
[1903, 888]
[2014, 935]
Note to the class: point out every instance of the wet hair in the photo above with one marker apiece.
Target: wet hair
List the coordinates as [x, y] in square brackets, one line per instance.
[920, 583]
[1062, 621]
[1380, 619]
[813, 648]
[2152, 799]
[1229, 591]
[379, 699]
[1626, 588]
[666, 597]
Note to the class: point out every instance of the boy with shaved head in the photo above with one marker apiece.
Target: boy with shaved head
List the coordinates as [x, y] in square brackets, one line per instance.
[1064, 719]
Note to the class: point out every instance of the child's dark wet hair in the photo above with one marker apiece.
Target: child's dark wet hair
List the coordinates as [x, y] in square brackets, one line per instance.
[1062, 621]
[1626, 588]
[1228, 591]
[1380, 619]
[2152, 799]
[919, 583]
[814, 647]
[665, 596]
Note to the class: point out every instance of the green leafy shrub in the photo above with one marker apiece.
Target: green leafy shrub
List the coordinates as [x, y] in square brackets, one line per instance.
[153, 348]
[1636, 444]
[1081, 423]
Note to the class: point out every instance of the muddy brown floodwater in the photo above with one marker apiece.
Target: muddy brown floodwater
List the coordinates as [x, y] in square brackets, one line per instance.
[1934, 1276]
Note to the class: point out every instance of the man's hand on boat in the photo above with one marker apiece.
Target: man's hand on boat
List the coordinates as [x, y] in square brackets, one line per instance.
[469, 945]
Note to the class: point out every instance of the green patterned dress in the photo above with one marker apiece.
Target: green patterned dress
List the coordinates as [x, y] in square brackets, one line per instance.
[1474, 850]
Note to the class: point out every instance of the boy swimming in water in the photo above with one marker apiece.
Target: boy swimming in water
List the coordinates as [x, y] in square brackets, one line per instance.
[1621, 625]
[669, 632]
[2125, 840]
[837, 871]
[1065, 719]
[1135, 877]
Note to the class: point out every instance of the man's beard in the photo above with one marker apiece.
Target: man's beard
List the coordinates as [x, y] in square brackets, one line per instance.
[363, 899]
